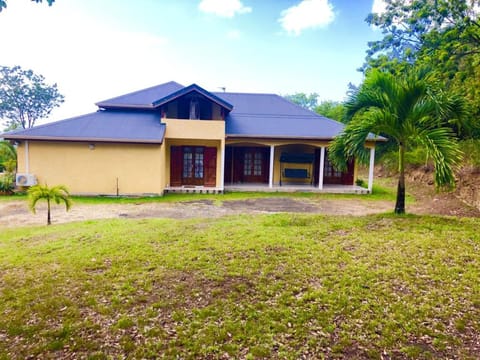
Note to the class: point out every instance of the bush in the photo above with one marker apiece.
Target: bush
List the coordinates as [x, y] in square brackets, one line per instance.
[471, 152]
[7, 183]
[414, 158]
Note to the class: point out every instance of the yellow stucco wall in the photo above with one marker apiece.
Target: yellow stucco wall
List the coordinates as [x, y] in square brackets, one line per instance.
[194, 129]
[138, 167]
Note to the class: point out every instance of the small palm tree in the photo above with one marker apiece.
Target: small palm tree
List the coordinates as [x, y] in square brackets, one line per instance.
[57, 194]
[412, 111]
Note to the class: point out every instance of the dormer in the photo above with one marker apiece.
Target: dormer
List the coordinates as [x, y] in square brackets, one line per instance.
[173, 101]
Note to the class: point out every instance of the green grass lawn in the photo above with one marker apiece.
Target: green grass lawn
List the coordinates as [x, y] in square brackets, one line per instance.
[273, 286]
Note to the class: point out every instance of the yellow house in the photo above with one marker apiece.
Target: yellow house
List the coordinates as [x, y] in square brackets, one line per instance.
[175, 138]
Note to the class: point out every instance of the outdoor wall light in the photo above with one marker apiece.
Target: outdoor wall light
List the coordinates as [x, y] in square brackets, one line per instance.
[91, 146]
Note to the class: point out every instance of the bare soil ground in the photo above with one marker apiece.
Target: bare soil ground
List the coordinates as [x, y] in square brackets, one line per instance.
[15, 213]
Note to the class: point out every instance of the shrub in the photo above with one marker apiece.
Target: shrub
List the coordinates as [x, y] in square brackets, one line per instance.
[471, 152]
[7, 183]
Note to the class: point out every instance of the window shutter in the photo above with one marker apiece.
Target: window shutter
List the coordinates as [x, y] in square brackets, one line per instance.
[210, 163]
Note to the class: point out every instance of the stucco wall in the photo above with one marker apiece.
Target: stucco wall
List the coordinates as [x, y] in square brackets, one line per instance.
[194, 129]
[138, 167]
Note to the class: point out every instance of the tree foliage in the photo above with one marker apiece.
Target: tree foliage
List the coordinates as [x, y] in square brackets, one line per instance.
[25, 97]
[412, 110]
[8, 157]
[442, 34]
[309, 101]
[331, 109]
[56, 194]
[3, 3]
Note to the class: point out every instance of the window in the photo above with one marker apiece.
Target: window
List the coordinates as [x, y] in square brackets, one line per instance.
[253, 163]
[330, 171]
[247, 164]
[194, 109]
[187, 162]
[257, 164]
[198, 163]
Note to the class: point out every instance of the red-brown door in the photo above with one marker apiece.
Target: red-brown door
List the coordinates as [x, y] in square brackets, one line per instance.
[255, 165]
[333, 176]
[193, 165]
[210, 165]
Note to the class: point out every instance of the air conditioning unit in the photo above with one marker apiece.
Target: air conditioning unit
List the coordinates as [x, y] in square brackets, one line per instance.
[25, 180]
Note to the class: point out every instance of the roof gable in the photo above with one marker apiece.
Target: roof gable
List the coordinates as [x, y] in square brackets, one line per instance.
[156, 96]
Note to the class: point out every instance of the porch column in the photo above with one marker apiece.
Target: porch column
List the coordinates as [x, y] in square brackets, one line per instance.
[370, 169]
[222, 164]
[270, 173]
[322, 165]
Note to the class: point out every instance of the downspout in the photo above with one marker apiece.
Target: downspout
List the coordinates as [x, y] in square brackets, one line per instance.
[27, 163]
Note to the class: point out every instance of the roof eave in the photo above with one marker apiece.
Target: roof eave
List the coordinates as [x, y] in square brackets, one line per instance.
[84, 139]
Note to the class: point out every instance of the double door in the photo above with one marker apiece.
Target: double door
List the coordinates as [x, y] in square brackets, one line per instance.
[193, 166]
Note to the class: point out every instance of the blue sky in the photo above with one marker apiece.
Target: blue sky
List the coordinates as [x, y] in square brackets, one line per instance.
[96, 49]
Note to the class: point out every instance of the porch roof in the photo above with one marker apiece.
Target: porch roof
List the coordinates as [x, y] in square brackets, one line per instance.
[104, 126]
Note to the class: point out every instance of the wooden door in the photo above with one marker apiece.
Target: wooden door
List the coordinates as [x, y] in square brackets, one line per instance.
[193, 170]
[255, 165]
[210, 165]
[176, 166]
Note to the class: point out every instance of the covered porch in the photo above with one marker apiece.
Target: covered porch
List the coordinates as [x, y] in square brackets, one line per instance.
[288, 167]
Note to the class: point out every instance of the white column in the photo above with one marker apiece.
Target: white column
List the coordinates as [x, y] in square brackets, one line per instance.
[27, 162]
[370, 169]
[222, 164]
[272, 159]
[322, 165]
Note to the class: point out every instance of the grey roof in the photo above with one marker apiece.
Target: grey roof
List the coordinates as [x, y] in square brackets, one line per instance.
[270, 115]
[103, 125]
[144, 98]
[159, 95]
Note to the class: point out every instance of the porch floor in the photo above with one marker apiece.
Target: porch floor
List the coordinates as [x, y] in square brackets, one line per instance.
[327, 188]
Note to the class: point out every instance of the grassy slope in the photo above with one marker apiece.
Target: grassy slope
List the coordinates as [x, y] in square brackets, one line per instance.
[276, 286]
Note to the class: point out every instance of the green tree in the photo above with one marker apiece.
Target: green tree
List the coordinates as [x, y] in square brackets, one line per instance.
[444, 34]
[411, 110]
[25, 97]
[8, 157]
[309, 102]
[331, 109]
[57, 194]
[3, 3]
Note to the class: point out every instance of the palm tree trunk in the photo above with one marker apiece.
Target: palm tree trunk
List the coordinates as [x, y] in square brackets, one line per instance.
[400, 204]
[49, 222]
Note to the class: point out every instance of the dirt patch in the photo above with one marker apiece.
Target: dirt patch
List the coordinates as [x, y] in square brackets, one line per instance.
[454, 203]
[15, 213]
[419, 184]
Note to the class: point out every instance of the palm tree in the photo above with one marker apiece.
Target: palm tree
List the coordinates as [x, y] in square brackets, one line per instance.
[57, 194]
[410, 109]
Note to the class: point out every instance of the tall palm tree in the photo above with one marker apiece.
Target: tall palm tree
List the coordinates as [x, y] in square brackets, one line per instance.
[412, 110]
[57, 194]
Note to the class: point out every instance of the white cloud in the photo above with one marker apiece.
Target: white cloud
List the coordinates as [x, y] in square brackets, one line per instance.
[307, 14]
[224, 8]
[379, 6]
